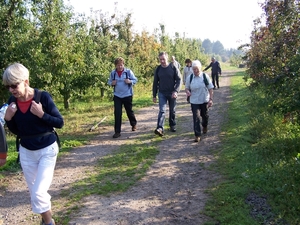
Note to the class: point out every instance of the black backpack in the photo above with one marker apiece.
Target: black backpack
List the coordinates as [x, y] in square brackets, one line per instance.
[191, 78]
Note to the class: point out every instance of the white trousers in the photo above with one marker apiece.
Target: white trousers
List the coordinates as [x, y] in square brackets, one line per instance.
[38, 168]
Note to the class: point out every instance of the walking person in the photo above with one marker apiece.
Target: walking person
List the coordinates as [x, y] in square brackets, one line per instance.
[187, 70]
[200, 89]
[122, 79]
[166, 84]
[34, 122]
[175, 63]
[215, 72]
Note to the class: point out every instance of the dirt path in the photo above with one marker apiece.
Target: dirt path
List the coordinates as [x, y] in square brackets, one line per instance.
[172, 192]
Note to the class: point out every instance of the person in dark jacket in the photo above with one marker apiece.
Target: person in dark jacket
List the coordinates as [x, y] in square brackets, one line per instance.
[34, 123]
[166, 83]
[215, 71]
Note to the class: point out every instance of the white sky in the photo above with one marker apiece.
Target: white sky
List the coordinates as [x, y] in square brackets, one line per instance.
[227, 21]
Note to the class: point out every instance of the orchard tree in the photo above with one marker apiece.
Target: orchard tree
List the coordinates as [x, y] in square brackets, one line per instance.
[15, 31]
[61, 49]
[273, 58]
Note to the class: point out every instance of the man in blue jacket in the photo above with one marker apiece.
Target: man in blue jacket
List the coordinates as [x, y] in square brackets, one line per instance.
[215, 71]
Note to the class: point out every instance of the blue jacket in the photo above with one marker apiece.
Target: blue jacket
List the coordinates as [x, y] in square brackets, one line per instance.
[121, 89]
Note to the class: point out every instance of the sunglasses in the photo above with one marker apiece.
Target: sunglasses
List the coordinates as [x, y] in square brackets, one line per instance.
[13, 86]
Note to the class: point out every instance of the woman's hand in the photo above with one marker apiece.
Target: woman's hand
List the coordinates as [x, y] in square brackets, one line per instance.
[188, 93]
[210, 103]
[10, 111]
[37, 109]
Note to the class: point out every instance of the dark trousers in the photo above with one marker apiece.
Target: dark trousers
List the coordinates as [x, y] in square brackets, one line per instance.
[215, 79]
[199, 110]
[118, 103]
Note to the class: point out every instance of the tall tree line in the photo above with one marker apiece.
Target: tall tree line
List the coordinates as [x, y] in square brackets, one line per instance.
[67, 54]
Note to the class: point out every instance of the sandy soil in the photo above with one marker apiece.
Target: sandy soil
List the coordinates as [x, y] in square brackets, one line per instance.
[172, 192]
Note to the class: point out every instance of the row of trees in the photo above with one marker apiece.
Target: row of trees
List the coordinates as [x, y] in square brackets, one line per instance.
[217, 48]
[67, 53]
[274, 54]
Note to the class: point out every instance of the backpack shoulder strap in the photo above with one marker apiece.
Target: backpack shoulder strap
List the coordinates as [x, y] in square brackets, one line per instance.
[38, 96]
[205, 79]
[126, 73]
[157, 69]
[191, 77]
[115, 74]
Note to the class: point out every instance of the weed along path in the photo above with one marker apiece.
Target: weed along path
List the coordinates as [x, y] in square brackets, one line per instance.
[173, 190]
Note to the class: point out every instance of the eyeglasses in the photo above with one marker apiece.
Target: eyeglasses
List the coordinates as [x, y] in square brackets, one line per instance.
[13, 86]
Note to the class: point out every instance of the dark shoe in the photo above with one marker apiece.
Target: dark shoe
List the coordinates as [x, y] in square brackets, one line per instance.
[215, 88]
[173, 129]
[204, 130]
[159, 131]
[116, 135]
[133, 128]
[197, 139]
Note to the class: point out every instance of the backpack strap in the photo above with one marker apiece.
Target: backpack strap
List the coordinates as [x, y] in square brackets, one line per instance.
[191, 78]
[126, 74]
[38, 96]
[205, 79]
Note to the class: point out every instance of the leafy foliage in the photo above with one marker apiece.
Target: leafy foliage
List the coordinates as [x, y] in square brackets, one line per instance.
[273, 58]
[69, 55]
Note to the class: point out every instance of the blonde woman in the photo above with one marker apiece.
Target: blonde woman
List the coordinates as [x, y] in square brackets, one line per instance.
[33, 121]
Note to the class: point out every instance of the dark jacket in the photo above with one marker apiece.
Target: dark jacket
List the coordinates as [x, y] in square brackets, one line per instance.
[27, 124]
[215, 68]
[166, 80]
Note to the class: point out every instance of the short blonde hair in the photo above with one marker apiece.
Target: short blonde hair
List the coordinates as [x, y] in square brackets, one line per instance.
[15, 74]
[196, 63]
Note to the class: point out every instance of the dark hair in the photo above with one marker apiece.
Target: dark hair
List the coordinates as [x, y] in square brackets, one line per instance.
[162, 53]
[188, 61]
[118, 60]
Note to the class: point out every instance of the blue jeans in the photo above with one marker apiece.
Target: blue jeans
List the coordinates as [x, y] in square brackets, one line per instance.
[163, 100]
[199, 110]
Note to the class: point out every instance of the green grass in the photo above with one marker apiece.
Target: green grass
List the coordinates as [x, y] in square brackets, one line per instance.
[82, 115]
[259, 154]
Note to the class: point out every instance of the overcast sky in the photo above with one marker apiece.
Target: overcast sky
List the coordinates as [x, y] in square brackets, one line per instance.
[230, 22]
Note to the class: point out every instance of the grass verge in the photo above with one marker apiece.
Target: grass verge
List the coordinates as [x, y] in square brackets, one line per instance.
[260, 155]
